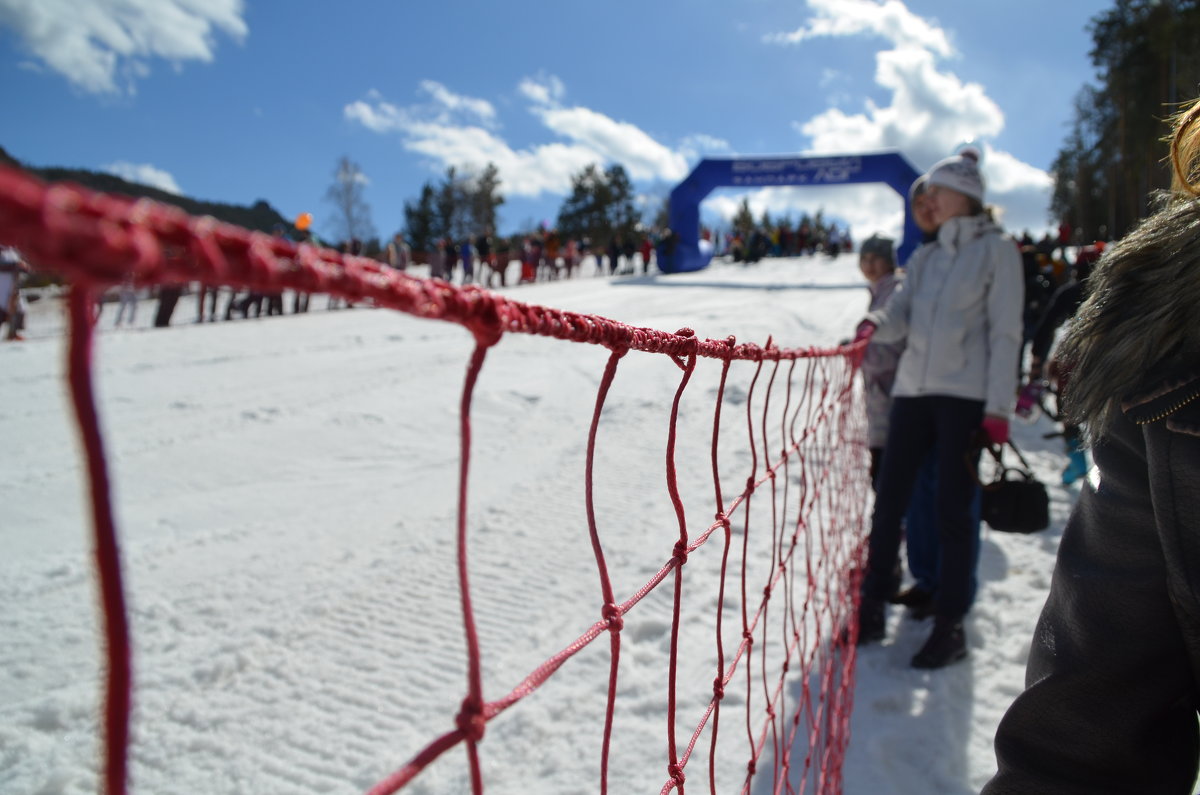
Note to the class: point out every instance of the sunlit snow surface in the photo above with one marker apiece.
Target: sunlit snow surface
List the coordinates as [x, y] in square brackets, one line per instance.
[285, 492]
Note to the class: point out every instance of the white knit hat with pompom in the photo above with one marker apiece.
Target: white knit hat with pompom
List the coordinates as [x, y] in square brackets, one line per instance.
[958, 172]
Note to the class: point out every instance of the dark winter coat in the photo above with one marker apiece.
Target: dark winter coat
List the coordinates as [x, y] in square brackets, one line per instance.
[1062, 306]
[1113, 680]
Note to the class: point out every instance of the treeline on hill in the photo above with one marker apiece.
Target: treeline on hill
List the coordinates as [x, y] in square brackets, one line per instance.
[599, 208]
[744, 225]
[1113, 160]
[460, 207]
[259, 216]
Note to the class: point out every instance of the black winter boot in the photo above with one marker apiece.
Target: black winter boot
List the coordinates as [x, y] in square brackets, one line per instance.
[918, 601]
[947, 644]
[872, 621]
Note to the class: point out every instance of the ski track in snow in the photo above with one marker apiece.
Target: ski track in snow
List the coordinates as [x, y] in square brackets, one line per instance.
[285, 491]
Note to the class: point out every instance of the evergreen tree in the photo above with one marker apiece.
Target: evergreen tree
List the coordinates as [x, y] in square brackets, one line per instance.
[1080, 184]
[662, 219]
[622, 213]
[452, 206]
[421, 222]
[583, 214]
[600, 206]
[743, 220]
[461, 207]
[1113, 157]
[485, 197]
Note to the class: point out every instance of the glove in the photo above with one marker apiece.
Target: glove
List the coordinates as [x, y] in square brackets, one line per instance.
[995, 429]
[1028, 398]
[861, 334]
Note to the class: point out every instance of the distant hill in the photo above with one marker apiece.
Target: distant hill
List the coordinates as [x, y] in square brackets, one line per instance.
[260, 216]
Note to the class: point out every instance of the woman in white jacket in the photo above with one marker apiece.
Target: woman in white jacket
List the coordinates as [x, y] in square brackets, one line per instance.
[958, 312]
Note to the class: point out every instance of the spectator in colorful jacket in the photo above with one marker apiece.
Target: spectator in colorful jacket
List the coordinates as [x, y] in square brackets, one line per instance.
[647, 247]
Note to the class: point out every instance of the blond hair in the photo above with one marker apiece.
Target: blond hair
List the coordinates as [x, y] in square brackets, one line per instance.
[1185, 151]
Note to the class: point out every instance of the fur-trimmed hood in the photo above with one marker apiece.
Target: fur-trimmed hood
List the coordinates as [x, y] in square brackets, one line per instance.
[1137, 336]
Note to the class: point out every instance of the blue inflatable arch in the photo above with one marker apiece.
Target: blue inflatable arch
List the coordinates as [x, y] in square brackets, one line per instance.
[683, 250]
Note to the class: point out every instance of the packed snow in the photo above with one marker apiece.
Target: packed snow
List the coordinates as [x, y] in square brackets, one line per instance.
[285, 491]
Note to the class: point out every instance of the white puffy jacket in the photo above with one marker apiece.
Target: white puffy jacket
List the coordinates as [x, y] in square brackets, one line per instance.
[959, 312]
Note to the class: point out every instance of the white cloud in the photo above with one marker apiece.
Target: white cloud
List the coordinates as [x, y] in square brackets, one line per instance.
[453, 103]
[615, 141]
[890, 19]
[529, 172]
[696, 146]
[100, 45]
[1006, 173]
[526, 172]
[931, 112]
[377, 116]
[586, 136]
[543, 89]
[143, 174]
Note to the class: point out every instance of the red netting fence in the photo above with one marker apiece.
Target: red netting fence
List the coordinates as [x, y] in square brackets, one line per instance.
[792, 665]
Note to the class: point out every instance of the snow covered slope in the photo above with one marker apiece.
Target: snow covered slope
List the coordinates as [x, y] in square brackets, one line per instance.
[285, 489]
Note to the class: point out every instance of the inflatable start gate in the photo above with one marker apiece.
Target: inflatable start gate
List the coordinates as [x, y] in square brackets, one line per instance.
[684, 251]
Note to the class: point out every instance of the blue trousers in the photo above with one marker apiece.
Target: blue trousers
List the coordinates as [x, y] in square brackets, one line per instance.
[921, 533]
[941, 427]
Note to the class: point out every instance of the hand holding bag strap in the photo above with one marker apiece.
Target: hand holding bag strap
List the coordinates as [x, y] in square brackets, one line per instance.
[1028, 471]
[997, 453]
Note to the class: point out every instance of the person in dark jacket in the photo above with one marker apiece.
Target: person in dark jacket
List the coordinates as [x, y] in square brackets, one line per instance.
[614, 254]
[1113, 679]
[1061, 307]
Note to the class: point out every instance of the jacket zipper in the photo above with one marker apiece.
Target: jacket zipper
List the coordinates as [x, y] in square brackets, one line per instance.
[934, 322]
[1171, 410]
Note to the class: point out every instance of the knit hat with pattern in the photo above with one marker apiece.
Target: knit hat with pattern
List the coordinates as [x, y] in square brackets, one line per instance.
[960, 173]
[879, 247]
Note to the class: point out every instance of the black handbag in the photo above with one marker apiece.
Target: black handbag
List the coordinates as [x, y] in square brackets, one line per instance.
[1016, 501]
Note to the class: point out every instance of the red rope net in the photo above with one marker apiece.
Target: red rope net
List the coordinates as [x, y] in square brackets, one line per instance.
[792, 668]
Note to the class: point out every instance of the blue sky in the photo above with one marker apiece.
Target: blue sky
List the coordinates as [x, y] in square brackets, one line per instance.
[236, 100]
